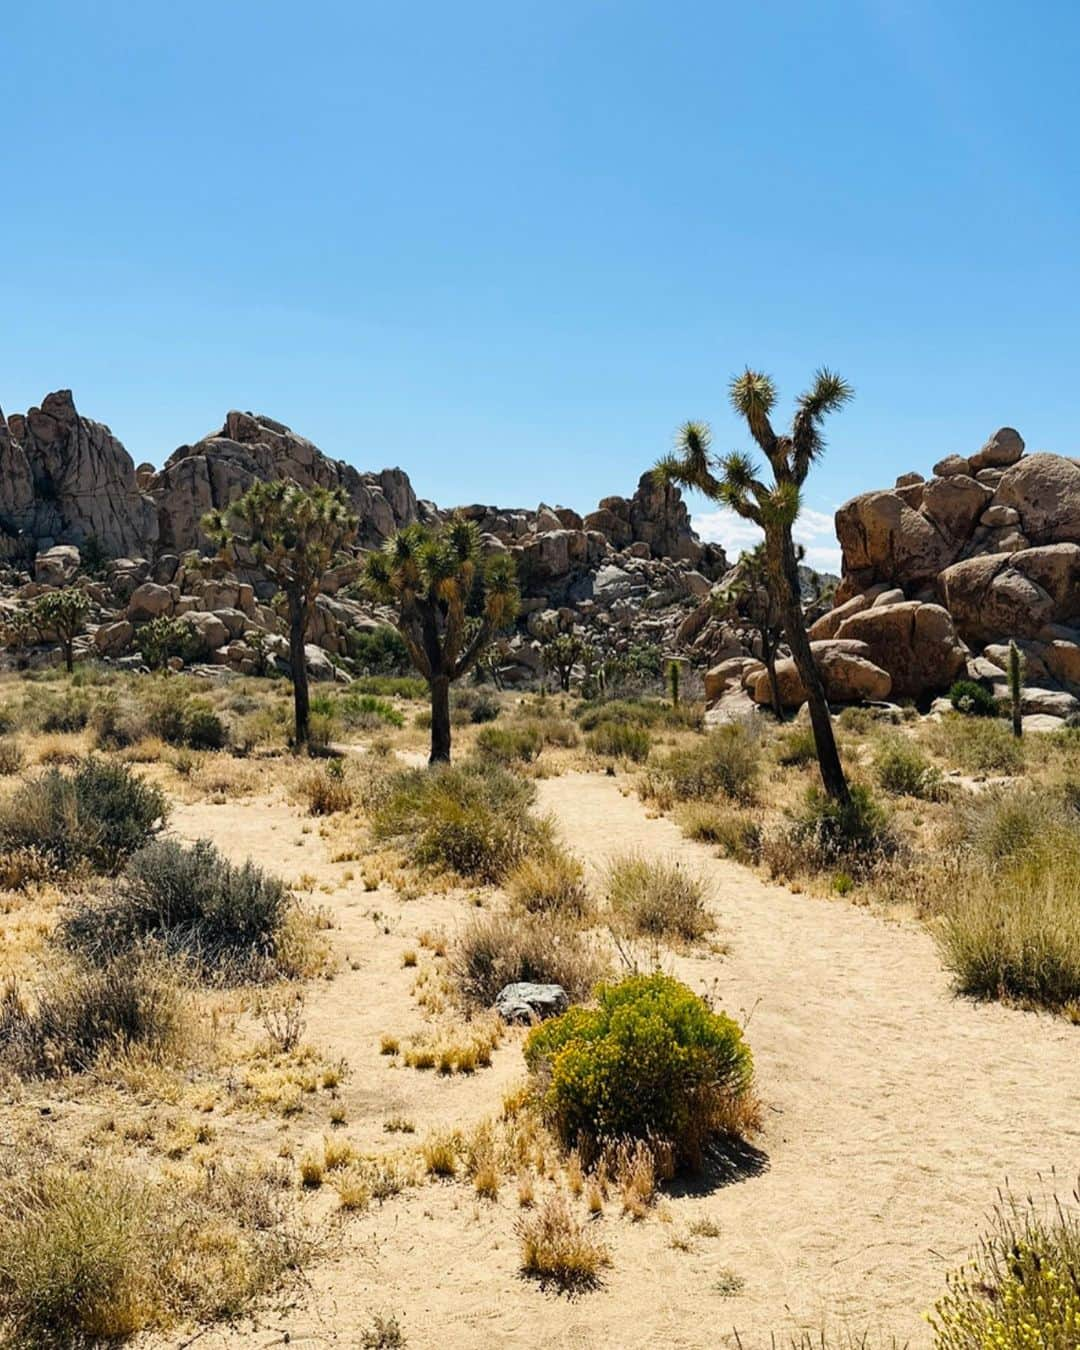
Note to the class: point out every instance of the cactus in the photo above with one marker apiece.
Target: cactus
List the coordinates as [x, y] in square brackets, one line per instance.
[1016, 688]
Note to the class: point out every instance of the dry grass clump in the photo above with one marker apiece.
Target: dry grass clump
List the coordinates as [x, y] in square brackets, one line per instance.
[735, 832]
[472, 818]
[222, 920]
[84, 1013]
[550, 881]
[726, 762]
[903, 770]
[657, 899]
[826, 835]
[500, 949]
[456, 1048]
[976, 745]
[326, 791]
[1021, 1290]
[620, 740]
[557, 1247]
[100, 1255]
[12, 756]
[509, 745]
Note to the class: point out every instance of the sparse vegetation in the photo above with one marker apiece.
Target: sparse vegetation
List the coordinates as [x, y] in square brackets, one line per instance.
[657, 899]
[550, 881]
[725, 762]
[499, 949]
[556, 1246]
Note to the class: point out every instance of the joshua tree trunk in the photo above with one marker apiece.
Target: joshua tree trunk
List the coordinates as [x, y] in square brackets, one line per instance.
[768, 653]
[440, 719]
[298, 670]
[69, 654]
[785, 564]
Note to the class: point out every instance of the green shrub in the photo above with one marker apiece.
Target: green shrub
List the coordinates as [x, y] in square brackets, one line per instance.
[726, 761]
[509, 745]
[203, 729]
[973, 699]
[191, 902]
[828, 834]
[657, 899]
[68, 711]
[87, 1012]
[735, 833]
[644, 712]
[620, 740]
[367, 711]
[392, 686]
[470, 818]
[1021, 1291]
[904, 771]
[484, 707]
[796, 747]
[652, 1061]
[380, 652]
[495, 950]
[977, 745]
[100, 815]
[1002, 824]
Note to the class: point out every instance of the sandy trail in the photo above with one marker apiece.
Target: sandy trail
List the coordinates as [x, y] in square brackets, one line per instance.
[894, 1111]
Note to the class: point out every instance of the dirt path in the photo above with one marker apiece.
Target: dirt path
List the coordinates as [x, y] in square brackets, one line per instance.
[893, 1112]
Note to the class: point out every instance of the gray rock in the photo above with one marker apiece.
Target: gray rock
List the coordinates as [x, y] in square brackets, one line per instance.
[527, 1003]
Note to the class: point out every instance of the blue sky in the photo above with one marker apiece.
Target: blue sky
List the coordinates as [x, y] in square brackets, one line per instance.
[510, 246]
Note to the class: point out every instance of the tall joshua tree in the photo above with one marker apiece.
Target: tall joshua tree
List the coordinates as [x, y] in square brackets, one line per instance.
[294, 534]
[733, 481]
[433, 578]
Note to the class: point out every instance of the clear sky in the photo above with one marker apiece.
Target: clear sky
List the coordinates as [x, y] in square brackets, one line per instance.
[510, 245]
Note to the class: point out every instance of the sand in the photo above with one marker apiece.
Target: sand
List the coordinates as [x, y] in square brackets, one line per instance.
[893, 1112]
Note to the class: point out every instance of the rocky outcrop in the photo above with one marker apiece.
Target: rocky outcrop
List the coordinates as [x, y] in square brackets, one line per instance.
[916, 643]
[848, 673]
[83, 483]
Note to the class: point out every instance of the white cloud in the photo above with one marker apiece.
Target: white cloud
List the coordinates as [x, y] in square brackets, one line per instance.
[813, 529]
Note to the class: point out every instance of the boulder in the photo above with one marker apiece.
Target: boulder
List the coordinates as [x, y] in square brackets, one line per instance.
[916, 643]
[950, 465]
[149, 601]
[207, 630]
[112, 639]
[883, 539]
[955, 503]
[847, 674]
[57, 565]
[1003, 448]
[527, 1003]
[1002, 596]
[728, 674]
[1044, 490]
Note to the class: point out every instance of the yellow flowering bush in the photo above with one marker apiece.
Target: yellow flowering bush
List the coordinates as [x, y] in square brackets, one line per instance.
[651, 1061]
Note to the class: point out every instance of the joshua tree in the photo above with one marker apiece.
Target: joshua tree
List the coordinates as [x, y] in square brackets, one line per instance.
[733, 481]
[1016, 689]
[750, 595]
[561, 652]
[160, 639]
[674, 675]
[62, 612]
[294, 534]
[432, 577]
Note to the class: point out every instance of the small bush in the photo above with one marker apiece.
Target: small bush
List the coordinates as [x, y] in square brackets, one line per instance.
[651, 1062]
[657, 899]
[736, 834]
[557, 1247]
[727, 761]
[68, 711]
[642, 712]
[509, 745]
[977, 745]
[391, 686]
[85, 1013]
[1022, 1289]
[367, 711]
[193, 903]
[797, 747]
[471, 818]
[620, 740]
[904, 771]
[495, 950]
[972, 699]
[100, 815]
[1001, 825]
[485, 707]
[326, 791]
[202, 728]
[828, 834]
[550, 881]
[382, 651]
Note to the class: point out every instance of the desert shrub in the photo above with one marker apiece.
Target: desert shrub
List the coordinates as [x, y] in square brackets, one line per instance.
[485, 707]
[736, 833]
[557, 1247]
[470, 818]
[190, 901]
[326, 790]
[1002, 824]
[12, 757]
[382, 651]
[391, 686]
[657, 899]
[115, 724]
[1021, 1290]
[727, 761]
[560, 731]
[100, 815]
[550, 881]
[620, 740]
[796, 747]
[86, 1012]
[827, 834]
[508, 745]
[904, 771]
[94, 1255]
[651, 1061]
[494, 950]
[645, 712]
[1014, 931]
[977, 745]
[202, 728]
[66, 711]
[973, 699]
[360, 710]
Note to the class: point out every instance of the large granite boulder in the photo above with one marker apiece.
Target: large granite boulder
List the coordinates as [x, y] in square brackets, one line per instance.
[916, 643]
[1044, 490]
[1013, 595]
[847, 672]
